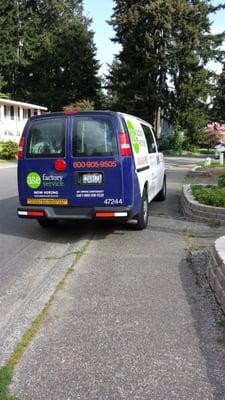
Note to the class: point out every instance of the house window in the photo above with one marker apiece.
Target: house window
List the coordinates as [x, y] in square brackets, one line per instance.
[18, 113]
[29, 113]
[11, 112]
[25, 113]
[5, 111]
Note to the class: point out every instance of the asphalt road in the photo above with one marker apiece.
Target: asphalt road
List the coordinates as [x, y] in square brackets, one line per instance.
[32, 262]
[129, 324]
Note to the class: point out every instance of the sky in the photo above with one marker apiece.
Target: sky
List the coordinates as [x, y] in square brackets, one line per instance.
[101, 10]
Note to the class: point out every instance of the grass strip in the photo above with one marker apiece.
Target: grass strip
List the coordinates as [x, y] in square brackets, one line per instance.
[6, 372]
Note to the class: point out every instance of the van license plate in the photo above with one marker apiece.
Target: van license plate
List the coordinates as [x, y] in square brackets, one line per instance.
[94, 178]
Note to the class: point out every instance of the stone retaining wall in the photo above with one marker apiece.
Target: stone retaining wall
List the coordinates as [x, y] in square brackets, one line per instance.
[216, 271]
[195, 211]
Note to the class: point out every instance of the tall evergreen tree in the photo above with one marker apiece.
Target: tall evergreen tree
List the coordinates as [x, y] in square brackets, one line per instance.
[57, 55]
[166, 46]
[218, 111]
[9, 42]
[193, 46]
[138, 75]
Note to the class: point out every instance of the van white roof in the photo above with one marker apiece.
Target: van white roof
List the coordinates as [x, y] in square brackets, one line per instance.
[133, 116]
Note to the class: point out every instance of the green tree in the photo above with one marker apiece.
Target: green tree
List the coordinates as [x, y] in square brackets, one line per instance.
[57, 55]
[218, 111]
[192, 47]
[137, 79]
[166, 46]
[9, 41]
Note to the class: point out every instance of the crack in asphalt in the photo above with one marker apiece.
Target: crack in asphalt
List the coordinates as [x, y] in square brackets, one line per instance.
[59, 257]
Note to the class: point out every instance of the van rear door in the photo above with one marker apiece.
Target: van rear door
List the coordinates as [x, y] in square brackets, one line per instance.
[74, 160]
[43, 177]
[96, 166]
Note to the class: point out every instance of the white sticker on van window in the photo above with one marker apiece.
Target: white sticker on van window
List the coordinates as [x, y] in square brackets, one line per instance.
[90, 194]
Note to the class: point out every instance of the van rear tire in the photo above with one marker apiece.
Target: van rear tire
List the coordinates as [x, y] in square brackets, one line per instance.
[46, 223]
[142, 216]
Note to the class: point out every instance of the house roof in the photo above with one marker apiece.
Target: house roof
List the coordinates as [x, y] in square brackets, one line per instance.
[21, 104]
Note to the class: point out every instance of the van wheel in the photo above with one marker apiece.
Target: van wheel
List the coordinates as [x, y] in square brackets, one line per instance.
[142, 216]
[161, 196]
[46, 223]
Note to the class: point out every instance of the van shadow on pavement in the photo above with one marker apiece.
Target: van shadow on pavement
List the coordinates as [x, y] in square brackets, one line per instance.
[63, 232]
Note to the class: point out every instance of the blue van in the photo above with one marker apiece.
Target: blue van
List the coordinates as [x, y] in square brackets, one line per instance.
[88, 165]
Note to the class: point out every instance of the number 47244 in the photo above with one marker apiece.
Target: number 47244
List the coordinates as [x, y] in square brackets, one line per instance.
[113, 202]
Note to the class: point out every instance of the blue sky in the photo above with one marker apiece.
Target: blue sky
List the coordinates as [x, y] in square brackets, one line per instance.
[101, 10]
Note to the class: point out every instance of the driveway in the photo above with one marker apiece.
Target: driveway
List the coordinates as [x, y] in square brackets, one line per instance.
[131, 321]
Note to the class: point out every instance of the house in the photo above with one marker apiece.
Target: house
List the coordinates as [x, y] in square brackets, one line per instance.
[166, 126]
[13, 116]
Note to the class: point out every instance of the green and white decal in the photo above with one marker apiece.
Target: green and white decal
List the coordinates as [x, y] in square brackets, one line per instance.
[133, 136]
[33, 180]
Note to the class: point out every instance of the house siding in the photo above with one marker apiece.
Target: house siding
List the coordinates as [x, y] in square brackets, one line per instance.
[13, 117]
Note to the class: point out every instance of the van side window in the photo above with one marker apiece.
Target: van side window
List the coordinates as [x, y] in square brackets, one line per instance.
[47, 139]
[149, 138]
[93, 136]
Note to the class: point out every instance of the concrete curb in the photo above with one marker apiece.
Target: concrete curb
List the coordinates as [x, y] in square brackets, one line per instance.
[216, 271]
[197, 171]
[195, 211]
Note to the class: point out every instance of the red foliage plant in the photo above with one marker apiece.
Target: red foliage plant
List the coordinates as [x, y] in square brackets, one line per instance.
[215, 132]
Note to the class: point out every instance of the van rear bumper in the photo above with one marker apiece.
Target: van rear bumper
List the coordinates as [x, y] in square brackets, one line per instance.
[75, 213]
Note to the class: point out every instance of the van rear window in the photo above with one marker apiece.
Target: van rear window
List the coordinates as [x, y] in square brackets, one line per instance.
[47, 139]
[93, 136]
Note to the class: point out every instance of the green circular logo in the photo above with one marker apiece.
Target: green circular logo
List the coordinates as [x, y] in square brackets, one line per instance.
[33, 180]
[134, 136]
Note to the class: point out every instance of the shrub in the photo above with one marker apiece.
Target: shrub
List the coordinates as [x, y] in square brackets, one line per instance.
[221, 180]
[8, 150]
[176, 141]
[191, 148]
[210, 195]
[82, 105]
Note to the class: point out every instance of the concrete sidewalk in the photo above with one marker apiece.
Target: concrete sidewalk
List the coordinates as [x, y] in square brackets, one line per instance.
[8, 164]
[129, 324]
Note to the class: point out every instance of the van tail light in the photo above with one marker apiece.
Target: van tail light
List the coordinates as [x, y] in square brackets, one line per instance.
[113, 214]
[124, 144]
[35, 214]
[21, 147]
[60, 165]
[22, 213]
